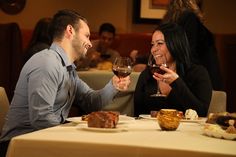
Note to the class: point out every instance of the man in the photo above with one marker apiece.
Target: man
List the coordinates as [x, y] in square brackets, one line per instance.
[48, 83]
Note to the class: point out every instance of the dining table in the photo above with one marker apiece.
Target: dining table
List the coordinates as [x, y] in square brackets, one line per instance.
[140, 137]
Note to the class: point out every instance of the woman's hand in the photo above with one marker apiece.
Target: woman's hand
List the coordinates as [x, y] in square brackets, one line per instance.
[165, 79]
[121, 84]
[169, 77]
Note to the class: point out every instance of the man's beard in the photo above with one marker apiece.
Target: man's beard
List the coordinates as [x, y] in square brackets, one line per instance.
[78, 48]
[82, 56]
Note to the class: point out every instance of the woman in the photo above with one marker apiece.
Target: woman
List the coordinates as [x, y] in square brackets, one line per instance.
[188, 14]
[186, 85]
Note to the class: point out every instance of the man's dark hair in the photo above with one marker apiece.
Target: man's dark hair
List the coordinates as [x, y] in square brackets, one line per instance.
[107, 27]
[63, 18]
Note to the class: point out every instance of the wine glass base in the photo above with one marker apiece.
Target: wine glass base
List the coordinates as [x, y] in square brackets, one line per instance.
[158, 95]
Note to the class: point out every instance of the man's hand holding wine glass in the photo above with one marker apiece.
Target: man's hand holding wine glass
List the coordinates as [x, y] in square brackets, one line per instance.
[121, 84]
[122, 69]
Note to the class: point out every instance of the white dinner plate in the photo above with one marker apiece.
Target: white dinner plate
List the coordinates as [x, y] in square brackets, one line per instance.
[147, 116]
[122, 119]
[125, 119]
[213, 130]
[76, 120]
[117, 129]
[199, 120]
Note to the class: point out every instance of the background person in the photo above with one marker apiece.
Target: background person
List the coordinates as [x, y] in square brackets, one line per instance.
[101, 51]
[188, 14]
[41, 38]
[139, 61]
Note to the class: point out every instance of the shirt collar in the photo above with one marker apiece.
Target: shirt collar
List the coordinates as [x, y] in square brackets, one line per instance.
[63, 56]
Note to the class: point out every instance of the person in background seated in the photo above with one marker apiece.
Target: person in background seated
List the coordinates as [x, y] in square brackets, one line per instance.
[49, 84]
[185, 84]
[188, 14]
[101, 55]
[41, 38]
[139, 61]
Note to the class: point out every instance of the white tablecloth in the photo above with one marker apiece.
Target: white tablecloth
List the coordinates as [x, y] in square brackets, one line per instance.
[143, 138]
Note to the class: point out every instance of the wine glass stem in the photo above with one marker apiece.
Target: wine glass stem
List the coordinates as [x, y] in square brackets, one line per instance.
[158, 89]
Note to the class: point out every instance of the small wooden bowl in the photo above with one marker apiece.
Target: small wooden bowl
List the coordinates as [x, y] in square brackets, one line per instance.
[168, 119]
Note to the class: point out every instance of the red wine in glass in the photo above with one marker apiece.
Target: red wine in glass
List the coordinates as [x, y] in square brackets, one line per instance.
[122, 67]
[121, 72]
[156, 69]
[154, 63]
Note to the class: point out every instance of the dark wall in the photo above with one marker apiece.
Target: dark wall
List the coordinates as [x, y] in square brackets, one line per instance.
[226, 45]
[10, 56]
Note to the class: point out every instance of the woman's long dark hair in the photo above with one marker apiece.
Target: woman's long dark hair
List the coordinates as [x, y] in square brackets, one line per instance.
[41, 32]
[177, 44]
[40, 39]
